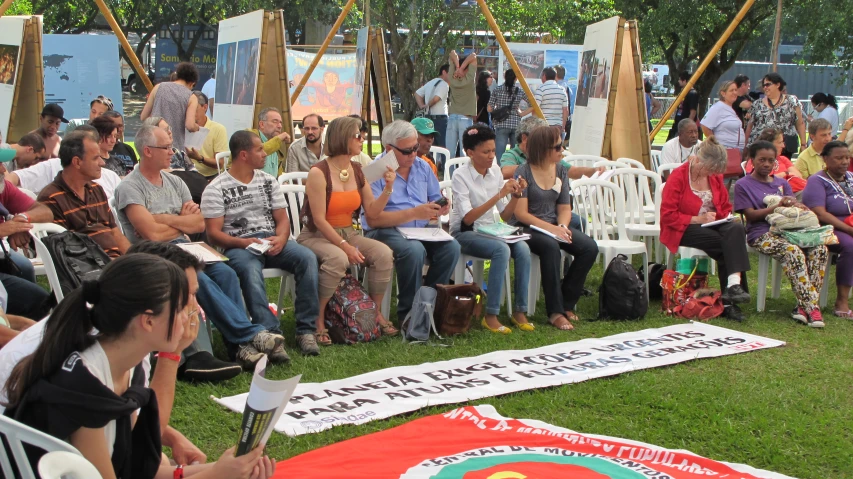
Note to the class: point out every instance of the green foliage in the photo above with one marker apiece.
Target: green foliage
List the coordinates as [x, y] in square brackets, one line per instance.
[826, 28]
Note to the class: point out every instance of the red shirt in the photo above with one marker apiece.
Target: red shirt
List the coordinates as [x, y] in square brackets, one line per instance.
[15, 200]
[679, 205]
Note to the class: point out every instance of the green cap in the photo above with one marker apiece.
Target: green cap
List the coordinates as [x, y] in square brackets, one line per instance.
[425, 126]
[7, 154]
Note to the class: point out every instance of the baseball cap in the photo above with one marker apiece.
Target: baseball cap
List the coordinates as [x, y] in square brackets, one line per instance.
[54, 110]
[7, 154]
[425, 126]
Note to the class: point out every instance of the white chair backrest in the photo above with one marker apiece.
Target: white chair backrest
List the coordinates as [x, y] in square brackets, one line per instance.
[743, 167]
[655, 159]
[593, 200]
[17, 434]
[632, 163]
[643, 190]
[446, 187]
[295, 195]
[439, 154]
[667, 168]
[295, 178]
[112, 204]
[610, 165]
[63, 464]
[222, 160]
[451, 165]
[586, 161]
[39, 231]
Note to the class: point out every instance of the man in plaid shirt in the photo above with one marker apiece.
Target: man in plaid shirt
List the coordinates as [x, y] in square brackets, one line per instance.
[502, 96]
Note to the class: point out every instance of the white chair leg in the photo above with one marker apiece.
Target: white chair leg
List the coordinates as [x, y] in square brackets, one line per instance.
[478, 268]
[776, 277]
[763, 266]
[535, 281]
[385, 308]
[459, 271]
[281, 290]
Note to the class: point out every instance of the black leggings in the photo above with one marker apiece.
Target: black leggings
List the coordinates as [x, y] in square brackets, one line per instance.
[725, 244]
[562, 295]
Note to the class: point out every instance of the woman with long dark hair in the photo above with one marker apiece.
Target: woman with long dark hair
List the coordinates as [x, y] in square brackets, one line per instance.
[83, 382]
[503, 105]
[777, 110]
[484, 82]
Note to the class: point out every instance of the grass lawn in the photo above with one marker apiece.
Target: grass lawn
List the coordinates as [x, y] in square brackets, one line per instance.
[786, 409]
[660, 138]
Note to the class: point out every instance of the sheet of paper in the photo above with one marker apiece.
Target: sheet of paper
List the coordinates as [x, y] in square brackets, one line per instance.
[195, 139]
[377, 168]
[727, 219]
[546, 232]
[265, 403]
[203, 252]
[425, 234]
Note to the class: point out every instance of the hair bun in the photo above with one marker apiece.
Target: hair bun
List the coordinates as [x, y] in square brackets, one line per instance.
[91, 291]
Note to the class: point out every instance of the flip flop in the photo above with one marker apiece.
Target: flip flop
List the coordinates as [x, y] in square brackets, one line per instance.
[565, 327]
[843, 314]
[571, 316]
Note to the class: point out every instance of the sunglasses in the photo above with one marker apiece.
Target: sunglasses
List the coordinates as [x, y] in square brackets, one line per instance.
[768, 85]
[406, 151]
[558, 147]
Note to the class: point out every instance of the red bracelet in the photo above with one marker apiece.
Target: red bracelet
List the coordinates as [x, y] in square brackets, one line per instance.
[172, 356]
[179, 472]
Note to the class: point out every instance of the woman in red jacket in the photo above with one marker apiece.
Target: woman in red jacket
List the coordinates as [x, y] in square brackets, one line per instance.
[694, 194]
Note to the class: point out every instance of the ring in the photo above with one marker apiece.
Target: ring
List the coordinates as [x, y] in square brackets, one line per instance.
[192, 323]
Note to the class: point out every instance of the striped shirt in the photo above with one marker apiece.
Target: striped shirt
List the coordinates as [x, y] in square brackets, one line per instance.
[89, 215]
[552, 99]
[501, 98]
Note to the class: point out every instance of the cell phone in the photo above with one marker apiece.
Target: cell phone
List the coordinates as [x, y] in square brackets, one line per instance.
[441, 202]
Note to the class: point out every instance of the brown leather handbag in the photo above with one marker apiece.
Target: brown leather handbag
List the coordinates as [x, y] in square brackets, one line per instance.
[456, 306]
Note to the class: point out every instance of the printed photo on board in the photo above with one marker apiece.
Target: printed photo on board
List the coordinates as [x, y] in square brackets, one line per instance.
[246, 72]
[8, 64]
[225, 73]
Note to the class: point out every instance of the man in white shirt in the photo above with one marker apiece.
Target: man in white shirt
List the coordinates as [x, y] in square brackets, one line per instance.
[552, 99]
[434, 94]
[209, 89]
[678, 149]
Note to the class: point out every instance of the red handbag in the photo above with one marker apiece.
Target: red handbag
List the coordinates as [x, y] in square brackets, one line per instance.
[678, 288]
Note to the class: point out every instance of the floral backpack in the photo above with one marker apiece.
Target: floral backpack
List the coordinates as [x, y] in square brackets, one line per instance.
[351, 314]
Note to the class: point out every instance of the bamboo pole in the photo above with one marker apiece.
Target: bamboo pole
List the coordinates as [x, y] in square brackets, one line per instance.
[702, 66]
[5, 6]
[777, 36]
[518, 75]
[134, 61]
[320, 53]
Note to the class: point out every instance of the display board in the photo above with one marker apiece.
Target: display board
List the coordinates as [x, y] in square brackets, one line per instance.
[11, 39]
[610, 118]
[333, 89]
[238, 54]
[78, 68]
[533, 57]
[203, 56]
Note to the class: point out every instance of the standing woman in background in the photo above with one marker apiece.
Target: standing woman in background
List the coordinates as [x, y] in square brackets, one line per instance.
[509, 96]
[174, 102]
[484, 94]
[722, 123]
[777, 110]
[826, 108]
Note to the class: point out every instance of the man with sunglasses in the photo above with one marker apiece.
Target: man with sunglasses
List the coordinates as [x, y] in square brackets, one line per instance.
[413, 202]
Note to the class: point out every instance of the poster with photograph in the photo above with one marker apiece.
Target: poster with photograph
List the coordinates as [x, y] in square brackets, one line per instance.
[237, 70]
[591, 105]
[334, 89]
[11, 38]
[533, 57]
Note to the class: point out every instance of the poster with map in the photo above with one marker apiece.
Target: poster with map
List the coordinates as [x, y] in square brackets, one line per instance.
[78, 68]
[11, 38]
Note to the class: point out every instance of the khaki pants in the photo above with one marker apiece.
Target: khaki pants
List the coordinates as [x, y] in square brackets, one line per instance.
[334, 262]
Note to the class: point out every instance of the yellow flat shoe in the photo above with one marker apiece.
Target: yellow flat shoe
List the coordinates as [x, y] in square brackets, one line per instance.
[523, 326]
[500, 330]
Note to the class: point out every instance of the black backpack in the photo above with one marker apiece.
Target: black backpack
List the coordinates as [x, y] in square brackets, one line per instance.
[76, 258]
[622, 294]
[655, 277]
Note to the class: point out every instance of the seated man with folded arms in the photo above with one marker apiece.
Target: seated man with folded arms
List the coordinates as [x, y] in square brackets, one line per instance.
[244, 206]
[79, 204]
[163, 380]
[155, 205]
[411, 203]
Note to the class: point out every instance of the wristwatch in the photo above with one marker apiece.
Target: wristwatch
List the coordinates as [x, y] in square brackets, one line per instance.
[563, 226]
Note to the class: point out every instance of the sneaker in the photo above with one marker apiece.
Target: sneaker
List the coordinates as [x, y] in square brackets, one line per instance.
[734, 313]
[248, 356]
[815, 319]
[736, 294]
[308, 344]
[799, 315]
[279, 355]
[202, 366]
[266, 341]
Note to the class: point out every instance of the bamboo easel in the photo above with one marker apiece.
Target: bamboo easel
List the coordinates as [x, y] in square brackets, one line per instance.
[273, 89]
[28, 98]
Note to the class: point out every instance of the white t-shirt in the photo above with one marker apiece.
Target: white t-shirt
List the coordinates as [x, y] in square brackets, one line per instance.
[831, 115]
[247, 208]
[96, 361]
[42, 174]
[209, 89]
[673, 152]
[435, 88]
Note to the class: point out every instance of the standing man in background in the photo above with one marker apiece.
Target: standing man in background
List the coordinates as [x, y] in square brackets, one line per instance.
[463, 100]
[434, 95]
[209, 89]
[687, 109]
[561, 80]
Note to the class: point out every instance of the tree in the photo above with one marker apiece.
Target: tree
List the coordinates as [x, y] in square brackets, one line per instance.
[685, 31]
[826, 28]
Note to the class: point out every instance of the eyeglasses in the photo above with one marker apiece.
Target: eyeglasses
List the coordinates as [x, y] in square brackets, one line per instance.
[168, 128]
[768, 85]
[168, 147]
[406, 151]
[558, 147]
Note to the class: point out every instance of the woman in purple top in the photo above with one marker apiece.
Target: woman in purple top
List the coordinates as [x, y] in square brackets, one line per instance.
[804, 267]
[829, 193]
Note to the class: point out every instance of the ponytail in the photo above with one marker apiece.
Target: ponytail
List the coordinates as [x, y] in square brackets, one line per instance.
[129, 286]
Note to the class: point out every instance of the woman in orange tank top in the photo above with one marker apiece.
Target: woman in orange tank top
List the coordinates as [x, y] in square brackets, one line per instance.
[334, 191]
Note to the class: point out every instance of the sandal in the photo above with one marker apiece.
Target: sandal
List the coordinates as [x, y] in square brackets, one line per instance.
[388, 329]
[567, 326]
[843, 314]
[571, 316]
[322, 337]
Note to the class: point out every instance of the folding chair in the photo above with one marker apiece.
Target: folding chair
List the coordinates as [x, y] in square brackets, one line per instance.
[16, 435]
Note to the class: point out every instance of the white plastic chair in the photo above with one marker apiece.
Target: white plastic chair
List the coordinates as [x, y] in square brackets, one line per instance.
[65, 465]
[16, 435]
[764, 262]
[610, 165]
[655, 156]
[39, 231]
[295, 178]
[451, 165]
[596, 194]
[536, 279]
[222, 160]
[112, 205]
[667, 168]
[587, 161]
[632, 163]
[643, 191]
[294, 195]
[447, 190]
[440, 155]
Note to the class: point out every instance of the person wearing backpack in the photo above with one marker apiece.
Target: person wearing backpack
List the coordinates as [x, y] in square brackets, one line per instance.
[331, 199]
[503, 105]
[432, 97]
[479, 192]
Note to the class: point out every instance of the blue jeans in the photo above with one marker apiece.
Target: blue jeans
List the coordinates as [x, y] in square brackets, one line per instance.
[409, 259]
[503, 137]
[294, 258]
[24, 297]
[499, 252]
[456, 125]
[439, 124]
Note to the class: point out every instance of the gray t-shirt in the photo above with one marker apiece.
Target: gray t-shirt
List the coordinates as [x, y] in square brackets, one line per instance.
[247, 208]
[543, 203]
[135, 189]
